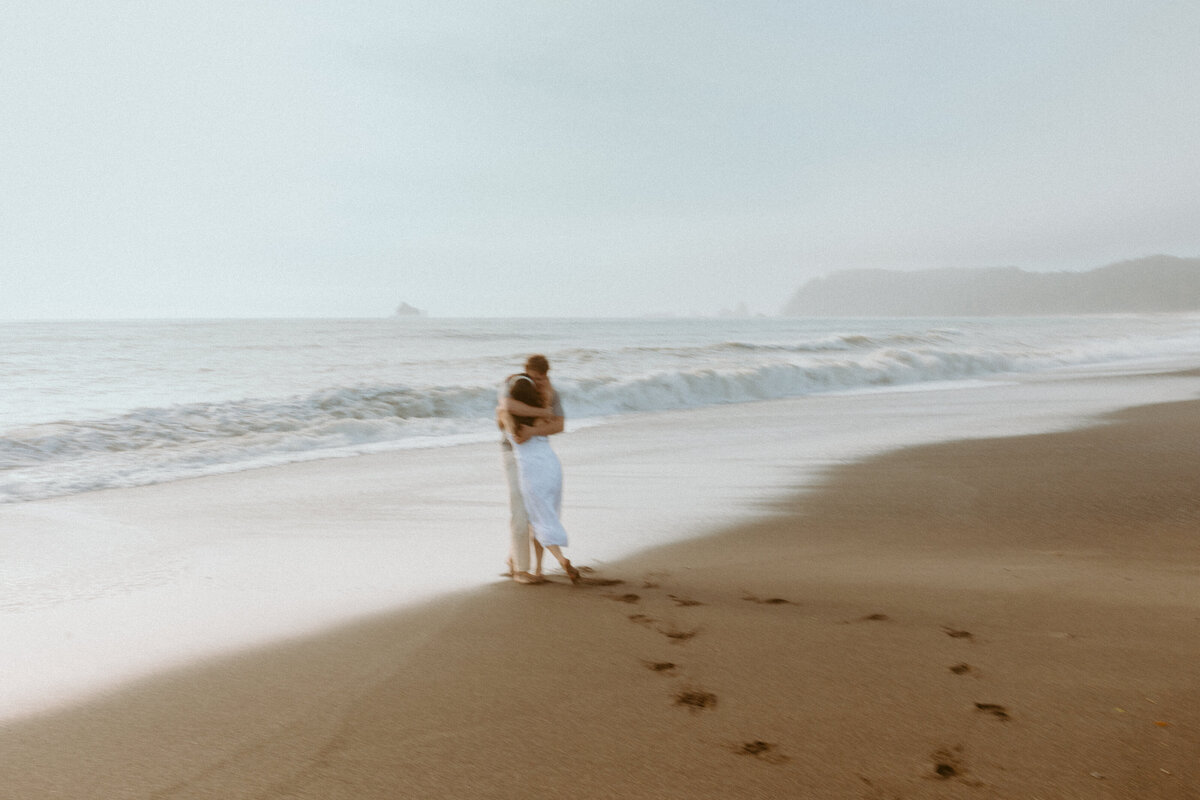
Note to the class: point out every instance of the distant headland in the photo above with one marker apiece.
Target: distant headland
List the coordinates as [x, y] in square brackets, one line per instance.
[1146, 285]
[405, 310]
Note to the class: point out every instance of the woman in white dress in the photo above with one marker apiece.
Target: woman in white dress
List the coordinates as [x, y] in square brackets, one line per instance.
[541, 479]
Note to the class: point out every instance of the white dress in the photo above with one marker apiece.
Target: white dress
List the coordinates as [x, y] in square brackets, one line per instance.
[541, 481]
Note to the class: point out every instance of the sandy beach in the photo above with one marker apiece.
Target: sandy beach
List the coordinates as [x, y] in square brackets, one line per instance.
[1012, 617]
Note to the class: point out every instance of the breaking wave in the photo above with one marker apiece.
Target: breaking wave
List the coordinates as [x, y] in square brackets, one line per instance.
[150, 445]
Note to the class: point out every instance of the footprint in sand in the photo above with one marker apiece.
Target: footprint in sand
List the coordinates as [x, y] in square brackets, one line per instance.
[876, 618]
[601, 581]
[589, 577]
[695, 699]
[625, 598]
[763, 751]
[653, 580]
[661, 667]
[684, 601]
[770, 601]
[997, 711]
[947, 763]
[641, 619]
[676, 635]
[957, 634]
[962, 669]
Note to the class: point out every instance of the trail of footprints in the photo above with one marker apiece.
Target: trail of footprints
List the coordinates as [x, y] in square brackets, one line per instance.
[946, 763]
[692, 698]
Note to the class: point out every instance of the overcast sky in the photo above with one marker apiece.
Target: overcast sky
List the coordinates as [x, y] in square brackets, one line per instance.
[521, 158]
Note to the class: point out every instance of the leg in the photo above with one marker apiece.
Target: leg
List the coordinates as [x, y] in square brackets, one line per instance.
[538, 552]
[541, 488]
[525, 577]
[518, 522]
[572, 573]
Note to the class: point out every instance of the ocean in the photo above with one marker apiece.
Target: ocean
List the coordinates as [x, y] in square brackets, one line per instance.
[104, 404]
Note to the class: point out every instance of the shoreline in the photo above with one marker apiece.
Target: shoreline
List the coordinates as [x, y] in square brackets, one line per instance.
[107, 587]
[1013, 615]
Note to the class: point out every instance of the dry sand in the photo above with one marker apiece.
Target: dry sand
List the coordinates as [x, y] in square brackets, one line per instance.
[1007, 618]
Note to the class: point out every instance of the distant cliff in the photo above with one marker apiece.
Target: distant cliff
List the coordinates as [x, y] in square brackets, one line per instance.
[1156, 283]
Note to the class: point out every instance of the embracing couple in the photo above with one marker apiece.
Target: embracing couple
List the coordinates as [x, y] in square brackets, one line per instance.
[528, 411]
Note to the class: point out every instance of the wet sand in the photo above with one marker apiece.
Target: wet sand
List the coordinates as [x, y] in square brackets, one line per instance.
[1001, 618]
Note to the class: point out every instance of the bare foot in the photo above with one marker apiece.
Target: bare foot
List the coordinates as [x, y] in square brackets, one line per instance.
[526, 578]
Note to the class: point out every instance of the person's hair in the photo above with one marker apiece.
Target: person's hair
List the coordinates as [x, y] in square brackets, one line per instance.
[537, 363]
[521, 387]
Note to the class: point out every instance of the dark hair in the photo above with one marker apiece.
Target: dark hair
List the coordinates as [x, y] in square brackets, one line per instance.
[521, 387]
[537, 363]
